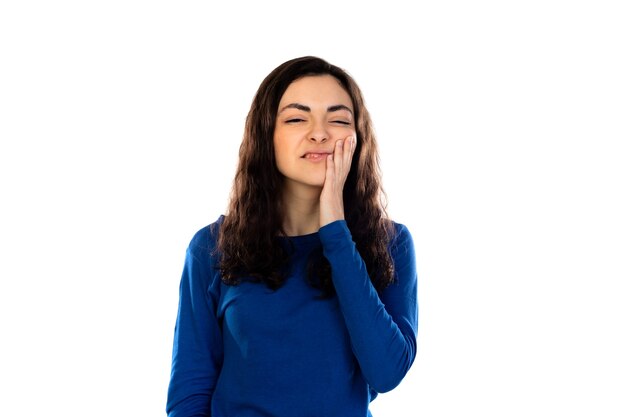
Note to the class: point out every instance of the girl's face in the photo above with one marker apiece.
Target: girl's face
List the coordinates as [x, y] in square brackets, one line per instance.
[313, 113]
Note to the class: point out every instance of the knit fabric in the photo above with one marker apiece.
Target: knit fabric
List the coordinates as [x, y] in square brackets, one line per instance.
[249, 351]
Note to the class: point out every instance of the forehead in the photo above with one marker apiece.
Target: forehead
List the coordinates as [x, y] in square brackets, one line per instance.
[322, 89]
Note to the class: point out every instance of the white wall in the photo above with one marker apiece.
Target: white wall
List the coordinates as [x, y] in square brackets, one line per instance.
[502, 135]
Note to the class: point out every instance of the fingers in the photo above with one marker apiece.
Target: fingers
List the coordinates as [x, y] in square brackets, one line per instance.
[338, 163]
[344, 151]
[330, 169]
[339, 160]
[349, 147]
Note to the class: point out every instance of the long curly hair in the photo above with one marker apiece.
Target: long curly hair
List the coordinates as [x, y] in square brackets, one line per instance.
[248, 241]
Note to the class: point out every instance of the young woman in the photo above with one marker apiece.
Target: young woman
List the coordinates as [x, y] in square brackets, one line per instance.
[302, 300]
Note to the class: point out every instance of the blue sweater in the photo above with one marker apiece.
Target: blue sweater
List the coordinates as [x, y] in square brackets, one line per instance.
[249, 351]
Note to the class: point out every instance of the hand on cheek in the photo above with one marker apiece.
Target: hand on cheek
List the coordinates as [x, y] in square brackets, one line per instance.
[337, 169]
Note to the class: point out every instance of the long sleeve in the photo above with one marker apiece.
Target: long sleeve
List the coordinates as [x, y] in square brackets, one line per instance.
[382, 329]
[198, 352]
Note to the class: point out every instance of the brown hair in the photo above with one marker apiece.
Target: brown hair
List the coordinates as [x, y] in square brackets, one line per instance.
[248, 238]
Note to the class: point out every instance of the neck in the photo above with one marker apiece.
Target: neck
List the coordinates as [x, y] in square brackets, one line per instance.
[300, 209]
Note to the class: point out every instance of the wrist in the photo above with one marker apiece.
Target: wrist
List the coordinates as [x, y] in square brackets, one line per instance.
[325, 220]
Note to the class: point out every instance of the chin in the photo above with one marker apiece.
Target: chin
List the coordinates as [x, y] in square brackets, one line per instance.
[310, 181]
[307, 178]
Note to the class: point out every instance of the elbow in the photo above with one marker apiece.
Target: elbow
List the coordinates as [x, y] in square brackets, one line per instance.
[385, 386]
[385, 378]
[183, 401]
[385, 383]
[198, 406]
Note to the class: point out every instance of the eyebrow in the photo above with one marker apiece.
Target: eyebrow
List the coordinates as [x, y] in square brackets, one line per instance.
[302, 107]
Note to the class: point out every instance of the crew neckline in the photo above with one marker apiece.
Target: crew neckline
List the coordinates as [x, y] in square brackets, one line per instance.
[298, 240]
[302, 240]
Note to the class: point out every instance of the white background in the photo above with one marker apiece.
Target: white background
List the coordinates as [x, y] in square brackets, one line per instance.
[502, 131]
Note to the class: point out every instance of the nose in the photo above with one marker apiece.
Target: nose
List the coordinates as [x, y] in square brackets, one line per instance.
[318, 133]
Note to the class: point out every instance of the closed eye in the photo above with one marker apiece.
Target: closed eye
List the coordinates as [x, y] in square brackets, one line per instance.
[294, 120]
[341, 122]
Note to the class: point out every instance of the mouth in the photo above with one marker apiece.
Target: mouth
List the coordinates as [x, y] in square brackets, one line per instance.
[315, 156]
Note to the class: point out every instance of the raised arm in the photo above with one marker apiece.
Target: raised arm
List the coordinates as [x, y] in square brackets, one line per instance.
[382, 329]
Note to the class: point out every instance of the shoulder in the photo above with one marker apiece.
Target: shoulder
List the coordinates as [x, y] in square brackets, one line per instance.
[401, 235]
[401, 244]
[402, 251]
[201, 261]
[204, 241]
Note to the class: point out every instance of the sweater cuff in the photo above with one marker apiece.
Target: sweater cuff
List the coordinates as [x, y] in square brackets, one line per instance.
[335, 233]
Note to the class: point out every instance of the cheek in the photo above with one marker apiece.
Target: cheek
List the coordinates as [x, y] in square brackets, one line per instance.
[280, 151]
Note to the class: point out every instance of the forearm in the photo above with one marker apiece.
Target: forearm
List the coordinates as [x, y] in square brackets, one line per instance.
[384, 345]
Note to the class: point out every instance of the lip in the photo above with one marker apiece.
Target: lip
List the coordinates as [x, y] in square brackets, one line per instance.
[316, 156]
[317, 153]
